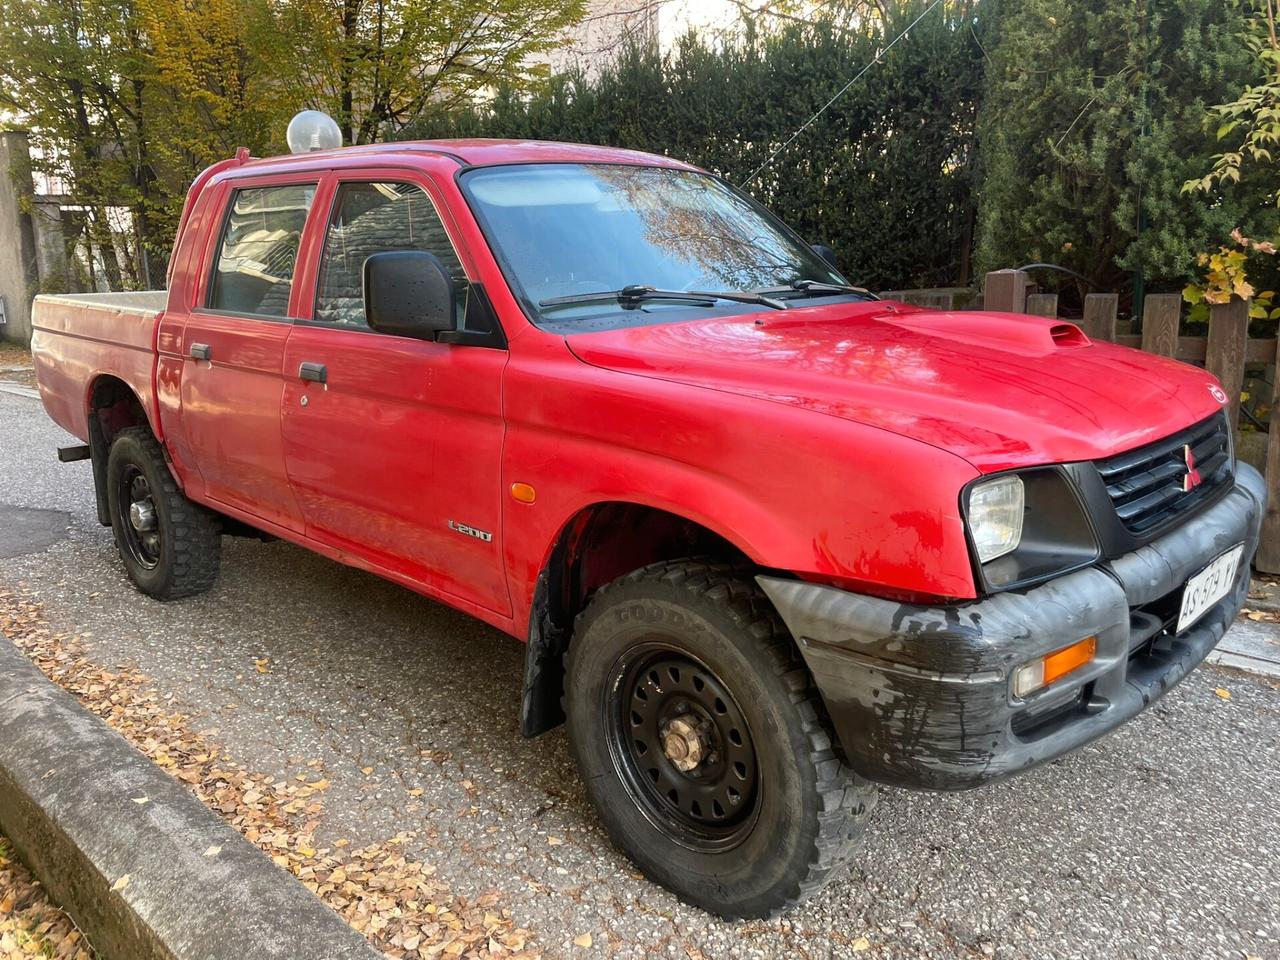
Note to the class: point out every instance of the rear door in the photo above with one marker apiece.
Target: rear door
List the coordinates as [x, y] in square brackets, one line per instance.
[233, 347]
[394, 445]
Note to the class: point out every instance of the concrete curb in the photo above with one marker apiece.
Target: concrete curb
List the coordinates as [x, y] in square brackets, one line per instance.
[18, 390]
[67, 788]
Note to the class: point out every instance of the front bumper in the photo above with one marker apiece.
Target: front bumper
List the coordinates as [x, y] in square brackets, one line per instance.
[920, 696]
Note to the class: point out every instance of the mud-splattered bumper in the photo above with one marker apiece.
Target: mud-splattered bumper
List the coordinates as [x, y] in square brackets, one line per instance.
[921, 696]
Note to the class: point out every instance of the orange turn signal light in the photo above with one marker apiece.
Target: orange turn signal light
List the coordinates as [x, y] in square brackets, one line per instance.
[1041, 672]
[523, 492]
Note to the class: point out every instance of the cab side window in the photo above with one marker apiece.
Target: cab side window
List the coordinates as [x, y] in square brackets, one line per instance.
[253, 271]
[371, 218]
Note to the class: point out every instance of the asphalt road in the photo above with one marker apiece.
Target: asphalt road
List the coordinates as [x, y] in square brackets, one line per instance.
[1161, 840]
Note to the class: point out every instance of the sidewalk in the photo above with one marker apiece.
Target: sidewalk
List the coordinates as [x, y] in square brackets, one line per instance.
[1253, 642]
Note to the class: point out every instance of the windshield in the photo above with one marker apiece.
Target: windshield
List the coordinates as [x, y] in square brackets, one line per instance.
[563, 231]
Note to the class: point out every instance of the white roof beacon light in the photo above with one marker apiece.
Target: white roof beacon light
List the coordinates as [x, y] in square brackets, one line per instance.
[312, 130]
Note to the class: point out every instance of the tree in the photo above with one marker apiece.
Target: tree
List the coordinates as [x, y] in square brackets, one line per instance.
[212, 87]
[1091, 122]
[376, 65]
[72, 72]
[127, 100]
[1252, 119]
[883, 176]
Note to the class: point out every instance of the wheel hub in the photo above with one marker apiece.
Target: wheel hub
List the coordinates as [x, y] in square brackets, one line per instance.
[684, 744]
[142, 515]
[140, 523]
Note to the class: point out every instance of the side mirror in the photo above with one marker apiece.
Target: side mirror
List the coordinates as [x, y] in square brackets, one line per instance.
[825, 252]
[409, 293]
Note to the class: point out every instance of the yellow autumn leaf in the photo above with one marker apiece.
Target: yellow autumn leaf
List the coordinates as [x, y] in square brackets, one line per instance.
[861, 944]
[1223, 693]
[583, 941]
[120, 884]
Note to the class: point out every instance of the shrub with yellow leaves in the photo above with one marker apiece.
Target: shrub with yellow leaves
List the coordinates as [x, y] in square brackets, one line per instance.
[1226, 276]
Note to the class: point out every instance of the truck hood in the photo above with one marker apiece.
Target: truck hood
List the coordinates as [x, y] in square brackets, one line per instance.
[1001, 390]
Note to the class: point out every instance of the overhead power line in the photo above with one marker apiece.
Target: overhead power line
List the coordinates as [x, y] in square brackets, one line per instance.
[839, 93]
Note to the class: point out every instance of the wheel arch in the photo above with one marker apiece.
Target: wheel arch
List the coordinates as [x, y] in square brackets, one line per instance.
[111, 405]
[598, 544]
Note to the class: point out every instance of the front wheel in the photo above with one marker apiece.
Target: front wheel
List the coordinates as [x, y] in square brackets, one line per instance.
[703, 743]
[170, 546]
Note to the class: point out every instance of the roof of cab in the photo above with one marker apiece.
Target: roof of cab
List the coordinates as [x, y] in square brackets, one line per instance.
[477, 153]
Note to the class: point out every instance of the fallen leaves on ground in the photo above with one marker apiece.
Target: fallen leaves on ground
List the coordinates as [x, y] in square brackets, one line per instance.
[12, 355]
[1260, 616]
[30, 924]
[1223, 692]
[395, 901]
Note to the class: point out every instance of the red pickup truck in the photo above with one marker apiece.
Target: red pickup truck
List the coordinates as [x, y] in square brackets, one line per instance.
[770, 540]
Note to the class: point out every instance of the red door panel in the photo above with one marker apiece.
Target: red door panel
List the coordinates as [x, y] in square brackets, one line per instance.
[231, 413]
[403, 438]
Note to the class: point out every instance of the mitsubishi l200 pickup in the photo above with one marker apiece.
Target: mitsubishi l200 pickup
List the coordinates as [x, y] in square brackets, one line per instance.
[770, 540]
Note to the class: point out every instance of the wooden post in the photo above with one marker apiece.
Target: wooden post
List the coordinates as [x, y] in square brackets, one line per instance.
[1268, 557]
[1006, 291]
[1224, 350]
[1161, 313]
[1043, 305]
[1099, 322]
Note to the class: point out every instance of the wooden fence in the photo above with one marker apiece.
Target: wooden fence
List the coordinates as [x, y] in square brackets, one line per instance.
[1225, 352]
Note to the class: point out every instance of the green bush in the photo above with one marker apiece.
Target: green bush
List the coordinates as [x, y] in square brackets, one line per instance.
[883, 176]
[1093, 116]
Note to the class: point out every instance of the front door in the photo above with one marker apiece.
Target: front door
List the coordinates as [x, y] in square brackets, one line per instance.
[393, 445]
[233, 349]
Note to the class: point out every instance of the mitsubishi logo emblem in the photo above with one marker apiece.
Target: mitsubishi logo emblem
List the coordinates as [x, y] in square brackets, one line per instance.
[1192, 478]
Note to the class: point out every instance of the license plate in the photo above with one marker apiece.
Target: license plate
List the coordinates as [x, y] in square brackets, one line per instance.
[1209, 586]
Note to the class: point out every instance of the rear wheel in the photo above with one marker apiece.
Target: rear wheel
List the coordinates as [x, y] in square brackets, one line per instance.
[170, 546]
[703, 743]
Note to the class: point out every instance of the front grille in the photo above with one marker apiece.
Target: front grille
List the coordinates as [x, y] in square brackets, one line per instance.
[1147, 485]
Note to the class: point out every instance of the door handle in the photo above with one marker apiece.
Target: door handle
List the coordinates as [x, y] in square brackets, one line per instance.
[315, 372]
[201, 351]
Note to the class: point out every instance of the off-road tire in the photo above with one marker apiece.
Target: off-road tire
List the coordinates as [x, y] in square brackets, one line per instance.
[812, 807]
[190, 541]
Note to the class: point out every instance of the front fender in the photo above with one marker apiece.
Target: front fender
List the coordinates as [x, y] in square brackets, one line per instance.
[793, 489]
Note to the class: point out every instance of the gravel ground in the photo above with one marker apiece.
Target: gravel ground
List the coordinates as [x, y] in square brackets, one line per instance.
[1161, 840]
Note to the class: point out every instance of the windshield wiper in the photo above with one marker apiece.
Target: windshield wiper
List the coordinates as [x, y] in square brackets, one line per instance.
[636, 293]
[817, 286]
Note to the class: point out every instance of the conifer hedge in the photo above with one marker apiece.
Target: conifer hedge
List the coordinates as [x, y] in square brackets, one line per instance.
[884, 176]
[996, 133]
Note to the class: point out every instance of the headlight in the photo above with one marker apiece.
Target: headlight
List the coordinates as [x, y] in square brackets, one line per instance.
[995, 516]
[1028, 526]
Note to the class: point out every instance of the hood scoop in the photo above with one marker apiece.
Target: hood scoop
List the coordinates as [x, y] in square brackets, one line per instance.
[1068, 335]
[1013, 332]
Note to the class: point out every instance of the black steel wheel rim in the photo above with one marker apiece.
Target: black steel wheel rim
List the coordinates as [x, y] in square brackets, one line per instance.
[665, 708]
[139, 521]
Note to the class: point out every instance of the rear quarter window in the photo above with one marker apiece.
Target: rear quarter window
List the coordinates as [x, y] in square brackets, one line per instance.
[253, 270]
